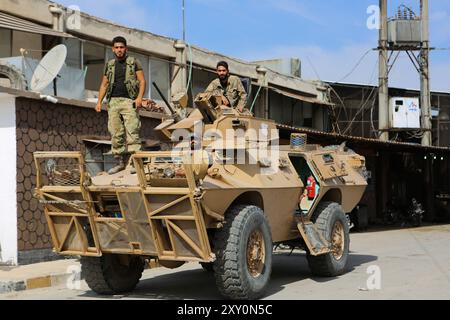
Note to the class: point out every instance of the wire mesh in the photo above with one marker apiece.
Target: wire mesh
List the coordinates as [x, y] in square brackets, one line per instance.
[61, 172]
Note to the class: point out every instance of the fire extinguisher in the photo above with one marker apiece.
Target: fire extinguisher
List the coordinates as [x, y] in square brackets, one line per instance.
[311, 188]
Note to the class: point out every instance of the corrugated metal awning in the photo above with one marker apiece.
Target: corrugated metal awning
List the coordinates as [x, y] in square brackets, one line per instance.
[300, 97]
[331, 138]
[10, 22]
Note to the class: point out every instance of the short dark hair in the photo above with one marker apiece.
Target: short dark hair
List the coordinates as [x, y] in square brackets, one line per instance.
[119, 40]
[222, 64]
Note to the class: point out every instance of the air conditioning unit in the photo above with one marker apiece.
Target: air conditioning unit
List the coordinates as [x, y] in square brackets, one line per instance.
[405, 113]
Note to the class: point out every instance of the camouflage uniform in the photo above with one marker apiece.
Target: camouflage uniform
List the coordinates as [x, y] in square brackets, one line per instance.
[123, 117]
[124, 125]
[234, 91]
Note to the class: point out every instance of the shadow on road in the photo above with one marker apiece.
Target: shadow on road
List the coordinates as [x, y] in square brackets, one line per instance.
[198, 284]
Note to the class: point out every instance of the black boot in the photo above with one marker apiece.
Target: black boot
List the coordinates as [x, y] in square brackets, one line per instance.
[120, 166]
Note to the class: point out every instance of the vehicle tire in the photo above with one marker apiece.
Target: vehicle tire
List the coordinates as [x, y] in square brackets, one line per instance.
[112, 273]
[243, 249]
[330, 220]
[207, 266]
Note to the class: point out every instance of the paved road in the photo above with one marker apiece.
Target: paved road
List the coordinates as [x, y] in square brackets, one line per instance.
[413, 263]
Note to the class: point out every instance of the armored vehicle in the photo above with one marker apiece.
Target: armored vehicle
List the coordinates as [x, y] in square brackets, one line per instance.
[224, 194]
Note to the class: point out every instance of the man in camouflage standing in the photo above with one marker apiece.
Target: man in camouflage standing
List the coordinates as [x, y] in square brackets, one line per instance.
[229, 86]
[123, 85]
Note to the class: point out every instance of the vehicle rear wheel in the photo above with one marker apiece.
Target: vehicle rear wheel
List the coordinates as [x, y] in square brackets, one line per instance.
[112, 273]
[330, 220]
[243, 250]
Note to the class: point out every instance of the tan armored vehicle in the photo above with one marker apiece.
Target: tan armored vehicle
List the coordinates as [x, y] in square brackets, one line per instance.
[223, 195]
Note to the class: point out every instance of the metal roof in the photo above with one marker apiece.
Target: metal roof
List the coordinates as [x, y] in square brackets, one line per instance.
[370, 86]
[11, 22]
[300, 97]
[395, 146]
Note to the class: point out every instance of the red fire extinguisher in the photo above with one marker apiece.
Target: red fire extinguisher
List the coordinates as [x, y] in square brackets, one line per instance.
[311, 188]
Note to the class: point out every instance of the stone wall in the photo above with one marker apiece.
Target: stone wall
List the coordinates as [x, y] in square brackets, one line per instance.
[43, 126]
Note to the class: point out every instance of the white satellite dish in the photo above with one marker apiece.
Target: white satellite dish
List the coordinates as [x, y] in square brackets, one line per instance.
[48, 68]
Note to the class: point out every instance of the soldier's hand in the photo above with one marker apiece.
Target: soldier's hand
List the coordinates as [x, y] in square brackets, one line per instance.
[151, 105]
[138, 103]
[98, 107]
[148, 103]
[240, 109]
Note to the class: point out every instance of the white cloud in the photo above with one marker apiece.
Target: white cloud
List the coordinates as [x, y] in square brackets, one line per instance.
[294, 7]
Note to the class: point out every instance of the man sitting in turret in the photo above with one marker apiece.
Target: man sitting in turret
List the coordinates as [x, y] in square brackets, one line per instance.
[230, 87]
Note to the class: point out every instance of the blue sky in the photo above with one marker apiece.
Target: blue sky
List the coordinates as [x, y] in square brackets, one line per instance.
[329, 36]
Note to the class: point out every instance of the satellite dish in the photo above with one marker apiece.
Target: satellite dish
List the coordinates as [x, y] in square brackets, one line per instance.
[48, 68]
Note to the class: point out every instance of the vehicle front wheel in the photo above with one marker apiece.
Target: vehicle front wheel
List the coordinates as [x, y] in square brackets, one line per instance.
[243, 250]
[330, 220]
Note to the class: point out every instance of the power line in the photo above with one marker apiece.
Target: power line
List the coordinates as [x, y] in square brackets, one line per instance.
[355, 67]
[314, 68]
[363, 104]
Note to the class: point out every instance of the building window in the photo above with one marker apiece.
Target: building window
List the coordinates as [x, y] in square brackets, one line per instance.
[308, 115]
[29, 41]
[201, 80]
[94, 60]
[73, 53]
[159, 73]
[5, 43]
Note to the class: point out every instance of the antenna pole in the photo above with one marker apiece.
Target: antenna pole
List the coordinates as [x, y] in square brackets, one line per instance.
[55, 90]
[184, 23]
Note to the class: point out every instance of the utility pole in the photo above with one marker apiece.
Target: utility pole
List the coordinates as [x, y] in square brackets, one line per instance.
[404, 33]
[383, 95]
[184, 23]
[425, 75]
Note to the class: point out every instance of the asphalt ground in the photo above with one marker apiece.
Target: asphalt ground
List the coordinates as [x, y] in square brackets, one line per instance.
[388, 264]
